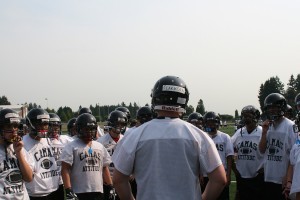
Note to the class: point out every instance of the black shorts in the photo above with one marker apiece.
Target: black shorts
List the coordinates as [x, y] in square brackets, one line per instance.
[90, 196]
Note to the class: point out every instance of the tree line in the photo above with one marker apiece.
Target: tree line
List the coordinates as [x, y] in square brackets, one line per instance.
[271, 85]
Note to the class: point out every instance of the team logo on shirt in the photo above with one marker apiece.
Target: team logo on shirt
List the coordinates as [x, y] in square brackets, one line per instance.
[14, 177]
[246, 150]
[46, 164]
[274, 146]
[91, 161]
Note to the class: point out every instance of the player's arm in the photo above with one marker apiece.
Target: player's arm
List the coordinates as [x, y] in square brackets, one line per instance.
[229, 167]
[216, 183]
[65, 174]
[25, 169]
[122, 186]
[106, 176]
[263, 141]
[298, 196]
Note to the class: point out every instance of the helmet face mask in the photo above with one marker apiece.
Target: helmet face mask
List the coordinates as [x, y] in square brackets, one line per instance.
[196, 119]
[9, 124]
[250, 114]
[54, 126]
[274, 106]
[211, 122]
[71, 127]
[117, 122]
[86, 126]
[37, 121]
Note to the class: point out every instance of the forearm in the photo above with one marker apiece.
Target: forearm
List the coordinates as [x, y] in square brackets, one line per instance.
[216, 184]
[65, 174]
[263, 143]
[122, 186]
[25, 169]
[106, 176]
[229, 167]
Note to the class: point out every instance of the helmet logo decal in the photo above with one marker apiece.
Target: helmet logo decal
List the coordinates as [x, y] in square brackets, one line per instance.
[173, 88]
[43, 117]
[11, 115]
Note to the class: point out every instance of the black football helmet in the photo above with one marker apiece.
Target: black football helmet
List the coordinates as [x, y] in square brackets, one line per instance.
[250, 114]
[124, 110]
[54, 125]
[10, 118]
[297, 119]
[84, 110]
[86, 126]
[196, 119]
[144, 114]
[117, 121]
[297, 99]
[208, 117]
[37, 119]
[170, 93]
[71, 127]
[23, 128]
[272, 101]
[289, 112]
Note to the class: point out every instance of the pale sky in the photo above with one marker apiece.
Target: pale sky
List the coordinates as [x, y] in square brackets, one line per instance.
[102, 51]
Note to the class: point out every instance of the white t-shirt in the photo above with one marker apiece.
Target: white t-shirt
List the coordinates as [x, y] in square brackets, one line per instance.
[166, 157]
[110, 145]
[296, 180]
[12, 186]
[279, 145]
[224, 146]
[57, 147]
[45, 171]
[249, 159]
[87, 165]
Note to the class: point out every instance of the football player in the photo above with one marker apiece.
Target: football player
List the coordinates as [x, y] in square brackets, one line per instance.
[85, 162]
[211, 123]
[165, 154]
[248, 165]
[117, 123]
[57, 141]
[15, 163]
[196, 119]
[46, 173]
[276, 143]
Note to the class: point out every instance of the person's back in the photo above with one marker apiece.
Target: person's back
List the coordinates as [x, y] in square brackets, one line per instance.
[167, 155]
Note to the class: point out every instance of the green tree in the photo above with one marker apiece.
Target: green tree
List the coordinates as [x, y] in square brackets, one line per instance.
[4, 101]
[188, 110]
[272, 85]
[236, 114]
[200, 107]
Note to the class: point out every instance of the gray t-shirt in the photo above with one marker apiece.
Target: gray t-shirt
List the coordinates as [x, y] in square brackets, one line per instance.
[86, 165]
[12, 186]
[166, 157]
